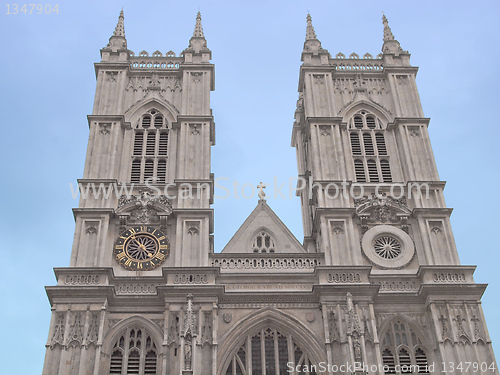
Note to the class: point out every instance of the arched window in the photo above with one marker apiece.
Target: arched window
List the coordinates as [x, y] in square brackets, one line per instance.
[268, 351]
[134, 353]
[368, 140]
[400, 338]
[263, 243]
[150, 149]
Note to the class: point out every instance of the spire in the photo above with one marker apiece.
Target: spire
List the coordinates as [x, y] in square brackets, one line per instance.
[310, 34]
[197, 43]
[312, 47]
[391, 45]
[120, 28]
[117, 41]
[198, 30]
[387, 30]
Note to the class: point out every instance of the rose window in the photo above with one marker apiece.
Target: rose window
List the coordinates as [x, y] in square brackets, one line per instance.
[387, 247]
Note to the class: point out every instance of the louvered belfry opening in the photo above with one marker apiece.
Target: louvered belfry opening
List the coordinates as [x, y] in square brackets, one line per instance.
[150, 149]
[368, 146]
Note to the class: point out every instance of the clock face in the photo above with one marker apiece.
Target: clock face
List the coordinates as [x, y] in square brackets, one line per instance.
[141, 248]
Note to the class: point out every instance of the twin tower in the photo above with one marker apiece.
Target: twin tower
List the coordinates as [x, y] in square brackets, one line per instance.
[375, 287]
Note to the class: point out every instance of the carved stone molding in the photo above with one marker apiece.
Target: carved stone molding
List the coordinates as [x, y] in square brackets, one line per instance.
[337, 230]
[135, 288]
[111, 76]
[414, 131]
[81, 280]
[344, 277]
[196, 76]
[399, 286]
[324, 130]
[266, 263]
[91, 230]
[93, 331]
[190, 279]
[58, 335]
[75, 336]
[105, 127]
[195, 128]
[450, 277]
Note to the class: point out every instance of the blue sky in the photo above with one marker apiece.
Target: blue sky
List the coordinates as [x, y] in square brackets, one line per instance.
[48, 84]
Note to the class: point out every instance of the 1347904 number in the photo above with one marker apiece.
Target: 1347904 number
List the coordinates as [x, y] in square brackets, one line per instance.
[468, 367]
[32, 8]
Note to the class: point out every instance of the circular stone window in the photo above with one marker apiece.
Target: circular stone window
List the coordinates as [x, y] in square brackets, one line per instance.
[387, 246]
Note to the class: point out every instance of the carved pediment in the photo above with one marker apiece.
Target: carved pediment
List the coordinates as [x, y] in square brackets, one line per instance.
[143, 208]
[382, 209]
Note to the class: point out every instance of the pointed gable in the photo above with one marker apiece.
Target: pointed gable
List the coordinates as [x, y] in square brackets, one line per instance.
[264, 232]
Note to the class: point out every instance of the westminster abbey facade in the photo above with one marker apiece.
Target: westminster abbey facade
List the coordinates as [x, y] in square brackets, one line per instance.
[376, 286]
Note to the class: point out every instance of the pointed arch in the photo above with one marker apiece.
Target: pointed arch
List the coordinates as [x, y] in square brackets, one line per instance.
[418, 330]
[256, 233]
[134, 113]
[114, 333]
[404, 343]
[365, 103]
[233, 339]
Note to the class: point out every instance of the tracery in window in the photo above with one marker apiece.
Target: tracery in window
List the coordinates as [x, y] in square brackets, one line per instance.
[367, 147]
[150, 149]
[263, 243]
[267, 351]
[401, 346]
[134, 352]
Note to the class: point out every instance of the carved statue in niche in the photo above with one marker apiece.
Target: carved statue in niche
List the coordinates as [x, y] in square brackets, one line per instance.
[353, 327]
[332, 323]
[206, 329]
[188, 333]
[173, 329]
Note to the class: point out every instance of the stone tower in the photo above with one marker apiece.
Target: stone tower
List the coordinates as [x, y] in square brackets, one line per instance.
[371, 197]
[147, 184]
[376, 287]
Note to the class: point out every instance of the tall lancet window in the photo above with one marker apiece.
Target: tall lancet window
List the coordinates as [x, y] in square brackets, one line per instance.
[150, 149]
[369, 149]
[402, 350]
[134, 353]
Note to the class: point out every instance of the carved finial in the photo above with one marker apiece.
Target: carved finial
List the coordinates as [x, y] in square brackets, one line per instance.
[262, 195]
[198, 30]
[387, 30]
[120, 28]
[310, 34]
